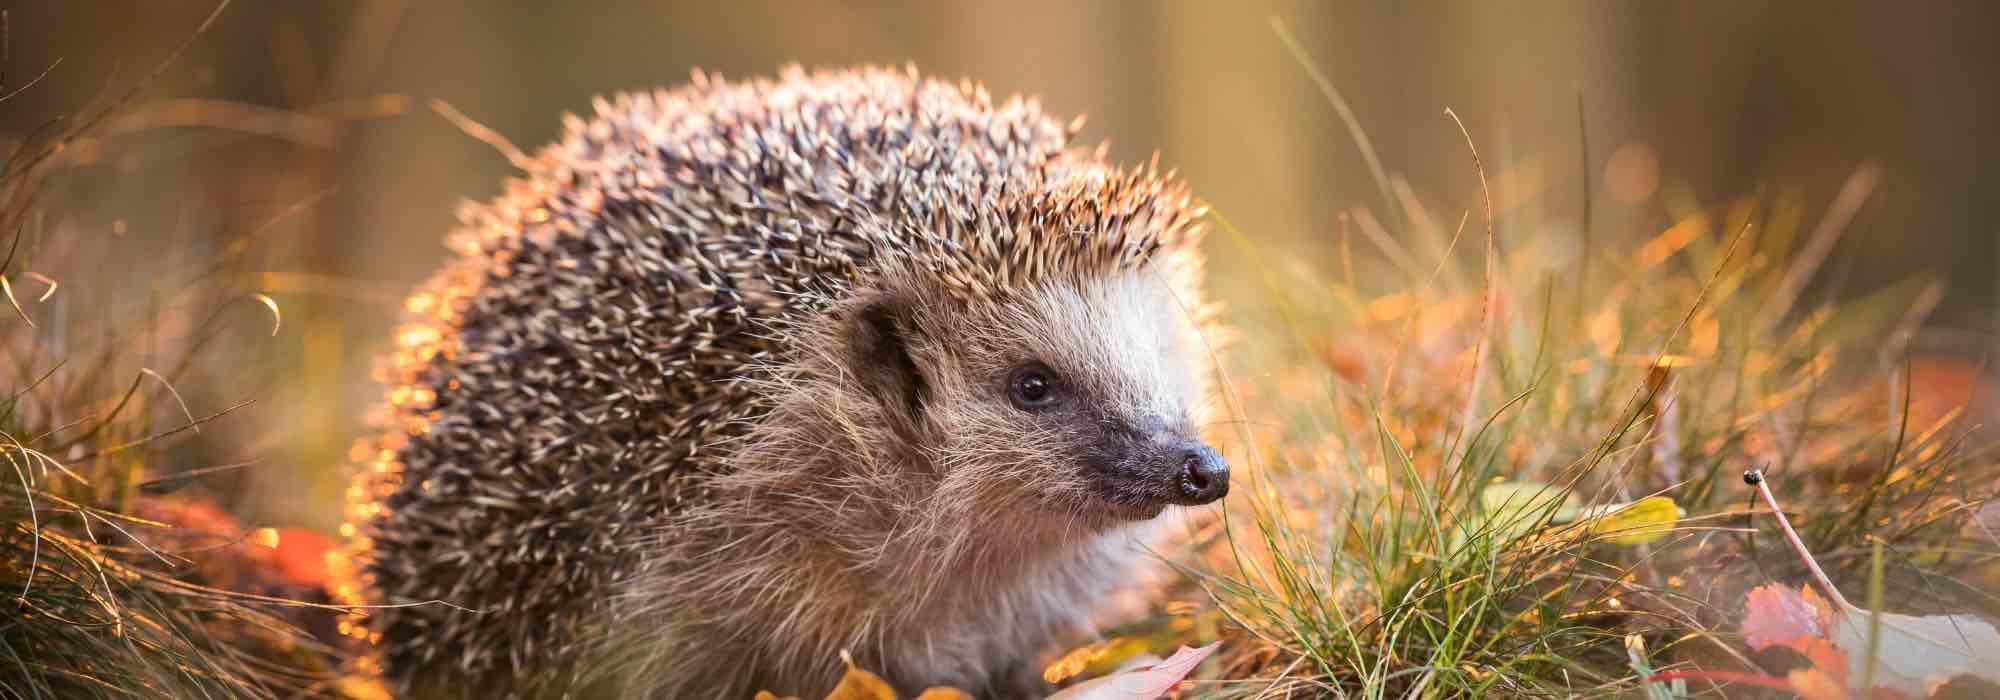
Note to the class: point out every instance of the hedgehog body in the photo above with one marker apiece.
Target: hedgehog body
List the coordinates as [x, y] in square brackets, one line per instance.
[743, 376]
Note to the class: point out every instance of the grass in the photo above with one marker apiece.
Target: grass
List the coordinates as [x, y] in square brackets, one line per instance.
[1420, 434]
[119, 580]
[1428, 429]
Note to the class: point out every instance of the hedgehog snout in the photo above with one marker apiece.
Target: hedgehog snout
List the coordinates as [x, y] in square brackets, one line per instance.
[1201, 476]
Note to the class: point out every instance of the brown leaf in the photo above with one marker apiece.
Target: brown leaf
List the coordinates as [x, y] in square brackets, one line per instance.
[858, 684]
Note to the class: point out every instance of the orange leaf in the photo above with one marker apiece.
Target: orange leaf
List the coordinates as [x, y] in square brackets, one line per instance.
[1814, 684]
[858, 684]
[302, 556]
[1824, 655]
[360, 688]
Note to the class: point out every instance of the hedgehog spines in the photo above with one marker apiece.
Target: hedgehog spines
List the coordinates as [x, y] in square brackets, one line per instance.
[566, 380]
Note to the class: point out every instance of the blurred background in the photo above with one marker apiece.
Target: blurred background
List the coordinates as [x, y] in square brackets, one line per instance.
[301, 129]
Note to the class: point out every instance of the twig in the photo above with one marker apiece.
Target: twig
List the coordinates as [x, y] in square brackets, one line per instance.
[303, 128]
[1755, 478]
[480, 131]
[168, 483]
[31, 83]
[1479, 346]
[177, 397]
[166, 433]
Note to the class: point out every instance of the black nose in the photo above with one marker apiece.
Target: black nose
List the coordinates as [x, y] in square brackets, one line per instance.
[1203, 476]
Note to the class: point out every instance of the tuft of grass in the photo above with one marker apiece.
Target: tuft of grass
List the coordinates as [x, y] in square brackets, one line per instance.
[1424, 431]
[113, 571]
[1369, 554]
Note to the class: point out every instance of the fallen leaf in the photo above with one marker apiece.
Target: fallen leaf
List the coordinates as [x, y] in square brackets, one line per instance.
[301, 555]
[1513, 507]
[1916, 654]
[1094, 659]
[1140, 683]
[1777, 614]
[858, 684]
[1815, 684]
[1824, 655]
[1919, 653]
[361, 688]
[943, 694]
[1638, 522]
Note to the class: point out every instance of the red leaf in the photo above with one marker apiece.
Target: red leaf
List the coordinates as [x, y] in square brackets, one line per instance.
[1777, 614]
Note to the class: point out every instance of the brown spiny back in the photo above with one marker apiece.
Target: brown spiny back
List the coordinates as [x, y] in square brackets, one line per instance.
[566, 380]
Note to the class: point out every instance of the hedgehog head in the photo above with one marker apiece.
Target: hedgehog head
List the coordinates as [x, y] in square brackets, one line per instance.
[1046, 360]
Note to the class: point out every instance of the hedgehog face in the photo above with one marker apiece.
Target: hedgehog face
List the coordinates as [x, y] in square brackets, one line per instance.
[1078, 398]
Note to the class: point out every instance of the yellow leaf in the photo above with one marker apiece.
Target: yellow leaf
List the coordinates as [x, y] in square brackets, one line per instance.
[361, 688]
[1094, 659]
[1638, 522]
[858, 684]
[1115, 654]
[943, 694]
[1069, 665]
[1515, 506]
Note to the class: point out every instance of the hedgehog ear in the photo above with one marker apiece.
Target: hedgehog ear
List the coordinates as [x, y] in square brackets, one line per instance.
[879, 338]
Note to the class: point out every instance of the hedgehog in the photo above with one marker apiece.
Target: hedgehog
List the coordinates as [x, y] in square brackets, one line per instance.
[744, 381]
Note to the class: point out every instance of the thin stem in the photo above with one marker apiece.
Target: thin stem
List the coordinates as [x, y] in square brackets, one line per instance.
[1756, 478]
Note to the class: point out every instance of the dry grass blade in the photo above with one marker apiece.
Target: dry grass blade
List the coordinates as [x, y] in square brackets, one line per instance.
[99, 605]
[480, 131]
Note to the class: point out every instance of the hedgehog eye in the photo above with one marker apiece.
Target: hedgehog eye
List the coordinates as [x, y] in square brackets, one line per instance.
[1031, 387]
